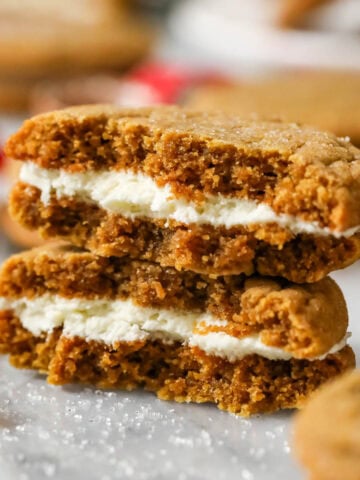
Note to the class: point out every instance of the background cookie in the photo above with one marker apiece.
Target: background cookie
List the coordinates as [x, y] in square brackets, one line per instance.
[255, 166]
[292, 12]
[58, 40]
[51, 48]
[327, 431]
[328, 100]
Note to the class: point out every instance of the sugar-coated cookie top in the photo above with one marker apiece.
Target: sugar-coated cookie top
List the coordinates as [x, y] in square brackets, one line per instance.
[295, 169]
[293, 142]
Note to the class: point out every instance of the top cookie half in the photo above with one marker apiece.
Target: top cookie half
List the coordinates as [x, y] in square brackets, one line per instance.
[203, 191]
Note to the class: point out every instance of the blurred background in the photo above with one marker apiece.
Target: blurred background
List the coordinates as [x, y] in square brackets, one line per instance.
[292, 59]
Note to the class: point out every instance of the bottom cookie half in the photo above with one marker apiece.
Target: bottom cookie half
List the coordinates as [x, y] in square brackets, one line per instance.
[253, 384]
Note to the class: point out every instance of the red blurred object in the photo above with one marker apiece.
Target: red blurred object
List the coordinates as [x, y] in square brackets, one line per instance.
[167, 83]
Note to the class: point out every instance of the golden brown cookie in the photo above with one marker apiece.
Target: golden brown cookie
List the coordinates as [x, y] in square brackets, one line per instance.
[327, 100]
[53, 38]
[249, 345]
[50, 40]
[60, 49]
[293, 13]
[207, 192]
[327, 431]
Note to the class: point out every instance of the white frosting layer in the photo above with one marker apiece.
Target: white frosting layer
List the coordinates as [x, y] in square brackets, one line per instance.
[137, 195]
[122, 320]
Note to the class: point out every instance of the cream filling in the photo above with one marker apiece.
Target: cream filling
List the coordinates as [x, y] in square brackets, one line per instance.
[137, 195]
[123, 321]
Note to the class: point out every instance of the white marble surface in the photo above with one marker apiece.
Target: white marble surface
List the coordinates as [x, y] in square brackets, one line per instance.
[80, 433]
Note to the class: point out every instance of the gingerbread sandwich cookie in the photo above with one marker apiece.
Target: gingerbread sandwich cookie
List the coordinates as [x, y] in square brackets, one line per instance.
[205, 192]
[250, 345]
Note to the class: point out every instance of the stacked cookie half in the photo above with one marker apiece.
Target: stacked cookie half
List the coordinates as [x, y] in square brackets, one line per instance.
[199, 249]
